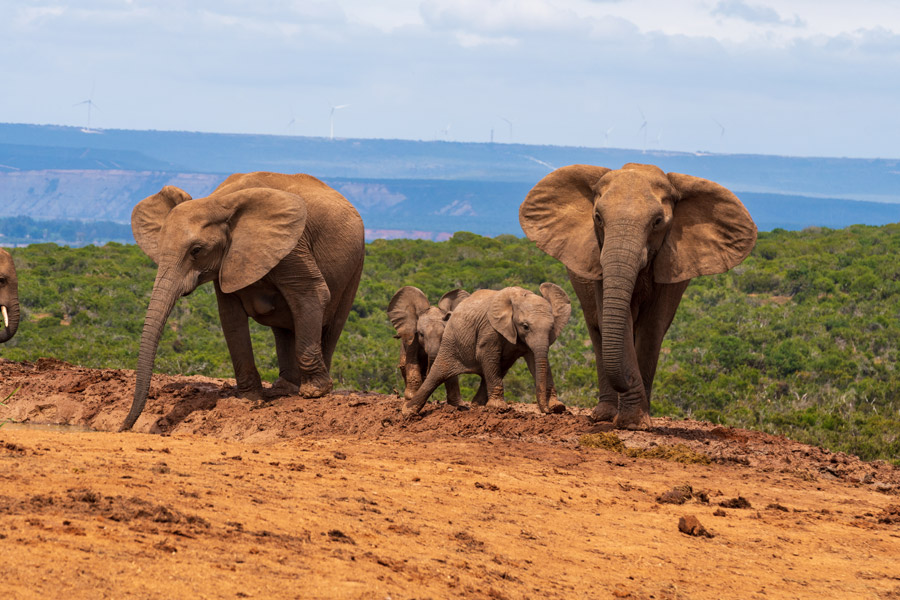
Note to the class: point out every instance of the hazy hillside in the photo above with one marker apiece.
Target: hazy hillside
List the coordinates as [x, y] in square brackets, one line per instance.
[405, 188]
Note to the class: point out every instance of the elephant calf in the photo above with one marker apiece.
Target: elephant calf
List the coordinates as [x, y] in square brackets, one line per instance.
[488, 332]
[420, 328]
[9, 297]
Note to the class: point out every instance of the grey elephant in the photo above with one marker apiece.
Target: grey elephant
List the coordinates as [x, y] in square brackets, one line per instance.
[286, 250]
[9, 297]
[488, 332]
[420, 328]
[631, 240]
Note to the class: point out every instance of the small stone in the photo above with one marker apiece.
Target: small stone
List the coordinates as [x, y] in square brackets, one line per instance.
[690, 525]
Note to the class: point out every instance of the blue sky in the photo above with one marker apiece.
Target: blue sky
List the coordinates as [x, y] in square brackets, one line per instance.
[796, 77]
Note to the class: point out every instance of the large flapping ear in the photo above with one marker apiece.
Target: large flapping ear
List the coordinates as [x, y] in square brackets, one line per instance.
[500, 313]
[404, 310]
[450, 300]
[711, 232]
[558, 216]
[265, 225]
[148, 217]
[559, 304]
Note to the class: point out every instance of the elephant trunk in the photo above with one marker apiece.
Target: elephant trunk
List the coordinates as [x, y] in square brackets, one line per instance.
[10, 313]
[542, 379]
[620, 265]
[162, 300]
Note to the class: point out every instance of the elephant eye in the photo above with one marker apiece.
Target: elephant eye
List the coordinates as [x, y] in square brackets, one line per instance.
[525, 326]
[2, 280]
[598, 218]
[195, 251]
[657, 221]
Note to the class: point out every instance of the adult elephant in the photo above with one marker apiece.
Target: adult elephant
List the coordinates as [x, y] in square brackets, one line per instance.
[286, 250]
[9, 297]
[631, 240]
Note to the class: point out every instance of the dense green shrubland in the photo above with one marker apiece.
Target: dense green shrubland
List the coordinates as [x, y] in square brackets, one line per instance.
[800, 339]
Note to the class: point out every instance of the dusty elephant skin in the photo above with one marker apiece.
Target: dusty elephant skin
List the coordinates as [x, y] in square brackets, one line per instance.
[631, 240]
[488, 332]
[286, 250]
[420, 328]
[9, 297]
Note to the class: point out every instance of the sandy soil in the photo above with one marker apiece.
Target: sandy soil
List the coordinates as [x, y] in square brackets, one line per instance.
[218, 497]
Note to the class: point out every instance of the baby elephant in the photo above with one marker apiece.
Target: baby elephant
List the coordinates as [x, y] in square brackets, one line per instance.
[488, 332]
[420, 328]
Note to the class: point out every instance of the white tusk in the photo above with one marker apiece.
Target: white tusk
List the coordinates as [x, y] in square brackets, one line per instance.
[5, 316]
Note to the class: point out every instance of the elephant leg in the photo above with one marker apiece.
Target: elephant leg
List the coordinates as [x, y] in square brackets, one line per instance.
[652, 324]
[415, 374]
[590, 296]
[331, 332]
[452, 388]
[634, 407]
[553, 405]
[493, 373]
[481, 397]
[444, 368]
[307, 311]
[236, 329]
[288, 371]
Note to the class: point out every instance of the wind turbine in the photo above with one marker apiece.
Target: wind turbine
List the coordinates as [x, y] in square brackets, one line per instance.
[721, 135]
[508, 122]
[334, 108]
[90, 105]
[643, 127]
[606, 135]
[289, 127]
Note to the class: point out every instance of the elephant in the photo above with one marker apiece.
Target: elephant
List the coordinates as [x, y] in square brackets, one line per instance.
[9, 297]
[488, 332]
[631, 240]
[286, 250]
[420, 328]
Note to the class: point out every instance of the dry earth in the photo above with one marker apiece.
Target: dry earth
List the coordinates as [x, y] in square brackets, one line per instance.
[216, 497]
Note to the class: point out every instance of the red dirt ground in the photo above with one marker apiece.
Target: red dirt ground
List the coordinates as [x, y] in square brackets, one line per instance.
[218, 497]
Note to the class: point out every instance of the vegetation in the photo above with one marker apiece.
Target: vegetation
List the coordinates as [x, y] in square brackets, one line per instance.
[25, 230]
[800, 339]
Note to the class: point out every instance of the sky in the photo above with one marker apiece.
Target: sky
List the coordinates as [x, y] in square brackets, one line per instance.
[789, 77]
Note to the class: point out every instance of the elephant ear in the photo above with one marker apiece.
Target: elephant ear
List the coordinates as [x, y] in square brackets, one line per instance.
[265, 225]
[500, 313]
[711, 232]
[148, 217]
[559, 304]
[558, 216]
[404, 310]
[450, 300]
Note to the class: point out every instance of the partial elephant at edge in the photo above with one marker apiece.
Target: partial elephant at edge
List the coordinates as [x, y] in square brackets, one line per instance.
[631, 240]
[9, 297]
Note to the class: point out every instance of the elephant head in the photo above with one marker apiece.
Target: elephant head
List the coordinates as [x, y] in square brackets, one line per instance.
[523, 317]
[234, 238]
[613, 225]
[9, 297]
[420, 325]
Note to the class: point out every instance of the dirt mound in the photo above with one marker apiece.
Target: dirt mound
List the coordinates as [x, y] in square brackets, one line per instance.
[52, 391]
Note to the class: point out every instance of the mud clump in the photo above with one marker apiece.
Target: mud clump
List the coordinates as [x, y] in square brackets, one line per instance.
[739, 502]
[890, 515]
[681, 453]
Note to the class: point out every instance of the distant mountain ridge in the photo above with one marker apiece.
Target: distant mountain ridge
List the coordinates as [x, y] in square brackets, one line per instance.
[412, 188]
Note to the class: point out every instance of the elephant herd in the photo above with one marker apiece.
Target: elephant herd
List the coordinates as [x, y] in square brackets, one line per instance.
[288, 250]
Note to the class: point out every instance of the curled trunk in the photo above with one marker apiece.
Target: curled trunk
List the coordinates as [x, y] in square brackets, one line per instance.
[165, 293]
[620, 269]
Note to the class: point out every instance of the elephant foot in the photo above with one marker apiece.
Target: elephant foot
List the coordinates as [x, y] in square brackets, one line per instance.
[453, 401]
[283, 387]
[497, 404]
[634, 420]
[604, 412]
[253, 394]
[316, 387]
[556, 407]
[410, 408]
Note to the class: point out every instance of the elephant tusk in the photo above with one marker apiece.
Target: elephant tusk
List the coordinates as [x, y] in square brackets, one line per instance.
[5, 316]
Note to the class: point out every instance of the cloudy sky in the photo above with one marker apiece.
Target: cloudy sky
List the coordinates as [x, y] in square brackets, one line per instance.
[798, 77]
